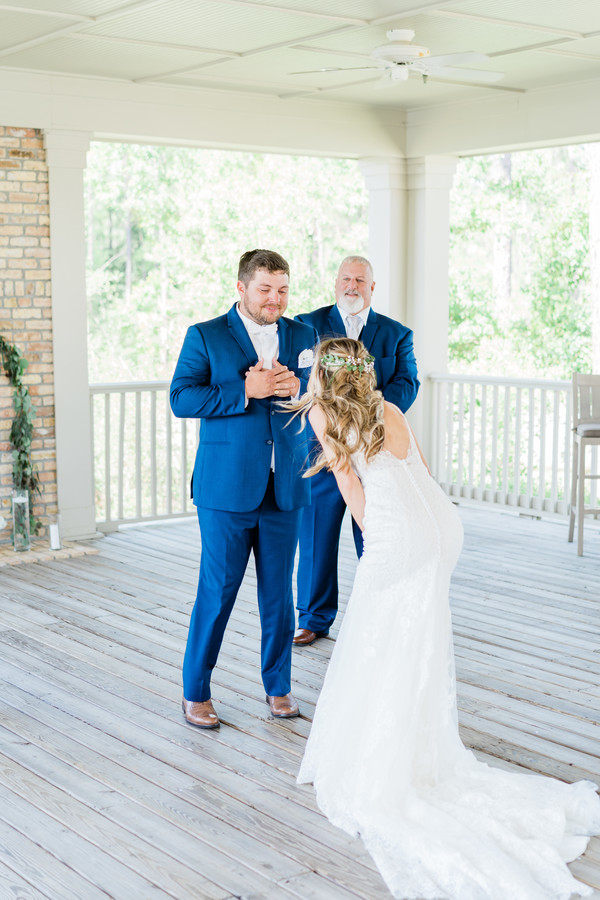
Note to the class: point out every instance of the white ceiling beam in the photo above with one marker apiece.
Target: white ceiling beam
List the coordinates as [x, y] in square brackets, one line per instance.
[574, 54]
[78, 26]
[161, 45]
[293, 10]
[186, 70]
[51, 13]
[510, 23]
[527, 47]
[418, 10]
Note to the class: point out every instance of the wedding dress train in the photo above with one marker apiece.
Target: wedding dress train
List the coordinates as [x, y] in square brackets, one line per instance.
[438, 823]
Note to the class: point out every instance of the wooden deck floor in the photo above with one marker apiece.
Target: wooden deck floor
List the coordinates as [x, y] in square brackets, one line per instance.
[106, 792]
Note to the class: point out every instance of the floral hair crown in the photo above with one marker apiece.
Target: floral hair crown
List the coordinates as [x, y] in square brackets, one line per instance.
[350, 363]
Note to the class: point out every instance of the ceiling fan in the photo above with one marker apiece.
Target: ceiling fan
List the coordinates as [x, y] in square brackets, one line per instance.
[400, 57]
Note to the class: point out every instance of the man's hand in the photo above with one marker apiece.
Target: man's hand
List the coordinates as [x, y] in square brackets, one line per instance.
[278, 381]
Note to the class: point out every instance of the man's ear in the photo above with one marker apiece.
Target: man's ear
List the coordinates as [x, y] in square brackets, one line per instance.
[241, 288]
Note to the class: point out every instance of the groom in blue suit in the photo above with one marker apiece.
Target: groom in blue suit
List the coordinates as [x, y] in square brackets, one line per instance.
[247, 481]
[392, 346]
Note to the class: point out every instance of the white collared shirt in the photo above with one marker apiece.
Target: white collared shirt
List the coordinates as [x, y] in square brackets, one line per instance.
[265, 339]
[363, 315]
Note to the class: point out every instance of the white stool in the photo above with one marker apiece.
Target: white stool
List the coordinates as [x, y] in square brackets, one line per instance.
[586, 433]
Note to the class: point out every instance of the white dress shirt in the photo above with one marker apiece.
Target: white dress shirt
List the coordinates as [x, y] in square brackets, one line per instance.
[354, 324]
[264, 339]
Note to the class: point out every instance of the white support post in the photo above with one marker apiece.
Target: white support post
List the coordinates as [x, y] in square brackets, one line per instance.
[429, 180]
[66, 156]
[386, 182]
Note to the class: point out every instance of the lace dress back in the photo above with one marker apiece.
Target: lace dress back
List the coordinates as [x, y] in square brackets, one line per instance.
[438, 823]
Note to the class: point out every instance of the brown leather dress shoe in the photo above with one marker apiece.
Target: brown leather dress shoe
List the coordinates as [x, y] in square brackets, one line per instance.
[303, 637]
[283, 707]
[202, 714]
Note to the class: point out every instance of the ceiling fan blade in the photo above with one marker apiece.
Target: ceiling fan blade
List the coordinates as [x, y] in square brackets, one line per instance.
[457, 59]
[481, 76]
[334, 69]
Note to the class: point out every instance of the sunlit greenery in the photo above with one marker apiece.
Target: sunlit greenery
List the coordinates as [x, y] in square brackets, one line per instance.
[167, 225]
[520, 301]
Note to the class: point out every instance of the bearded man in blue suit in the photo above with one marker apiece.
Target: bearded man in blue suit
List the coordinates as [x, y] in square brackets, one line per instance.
[392, 346]
[247, 481]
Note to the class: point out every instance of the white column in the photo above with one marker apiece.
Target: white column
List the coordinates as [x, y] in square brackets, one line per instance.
[386, 182]
[66, 156]
[429, 180]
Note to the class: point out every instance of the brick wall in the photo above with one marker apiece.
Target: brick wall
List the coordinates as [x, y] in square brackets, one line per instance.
[26, 306]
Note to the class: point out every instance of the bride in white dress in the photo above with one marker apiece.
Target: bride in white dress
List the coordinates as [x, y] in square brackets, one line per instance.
[384, 752]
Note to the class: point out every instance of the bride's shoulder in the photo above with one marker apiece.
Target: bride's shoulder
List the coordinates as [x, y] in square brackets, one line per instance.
[317, 419]
[397, 435]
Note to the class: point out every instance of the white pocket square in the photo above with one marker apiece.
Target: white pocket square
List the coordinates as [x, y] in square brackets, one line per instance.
[306, 359]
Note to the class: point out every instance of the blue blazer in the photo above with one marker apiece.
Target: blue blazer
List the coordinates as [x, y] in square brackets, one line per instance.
[387, 340]
[233, 461]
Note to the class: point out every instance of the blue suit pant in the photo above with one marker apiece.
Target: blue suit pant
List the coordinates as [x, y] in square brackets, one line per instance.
[227, 540]
[320, 529]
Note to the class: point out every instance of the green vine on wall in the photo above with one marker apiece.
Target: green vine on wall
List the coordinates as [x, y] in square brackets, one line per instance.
[25, 476]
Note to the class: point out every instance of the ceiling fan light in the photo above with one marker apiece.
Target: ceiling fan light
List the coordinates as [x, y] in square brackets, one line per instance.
[399, 73]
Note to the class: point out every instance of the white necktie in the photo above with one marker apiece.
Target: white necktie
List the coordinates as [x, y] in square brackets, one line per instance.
[266, 342]
[353, 327]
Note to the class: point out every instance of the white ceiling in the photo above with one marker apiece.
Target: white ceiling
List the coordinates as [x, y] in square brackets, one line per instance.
[255, 45]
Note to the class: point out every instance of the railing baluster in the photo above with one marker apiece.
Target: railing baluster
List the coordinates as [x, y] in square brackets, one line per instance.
[461, 438]
[168, 452]
[530, 451]
[517, 450]
[107, 475]
[471, 440]
[495, 444]
[542, 470]
[121, 501]
[505, 441]
[482, 455]
[565, 502]
[183, 496]
[450, 429]
[555, 452]
[138, 454]
[153, 452]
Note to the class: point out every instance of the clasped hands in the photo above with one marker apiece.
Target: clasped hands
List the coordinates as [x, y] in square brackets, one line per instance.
[279, 381]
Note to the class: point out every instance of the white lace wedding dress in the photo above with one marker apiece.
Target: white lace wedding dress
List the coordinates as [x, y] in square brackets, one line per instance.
[384, 752]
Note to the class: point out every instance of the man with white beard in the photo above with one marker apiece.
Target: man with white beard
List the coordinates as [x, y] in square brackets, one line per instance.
[392, 346]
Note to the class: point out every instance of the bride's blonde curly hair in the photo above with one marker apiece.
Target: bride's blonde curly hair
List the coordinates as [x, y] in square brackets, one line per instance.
[344, 389]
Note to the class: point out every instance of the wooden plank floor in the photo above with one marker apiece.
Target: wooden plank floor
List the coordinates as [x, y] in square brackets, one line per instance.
[106, 792]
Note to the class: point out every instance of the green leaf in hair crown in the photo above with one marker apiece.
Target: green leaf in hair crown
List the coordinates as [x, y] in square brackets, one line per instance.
[333, 361]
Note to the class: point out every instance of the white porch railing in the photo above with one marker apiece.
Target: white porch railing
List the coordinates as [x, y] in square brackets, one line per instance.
[504, 441]
[143, 455]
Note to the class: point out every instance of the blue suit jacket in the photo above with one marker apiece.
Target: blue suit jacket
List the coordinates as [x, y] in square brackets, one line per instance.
[387, 340]
[233, 461]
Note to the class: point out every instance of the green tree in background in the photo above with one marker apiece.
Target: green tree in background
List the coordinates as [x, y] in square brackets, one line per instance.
[519, 264]
[167, 225]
